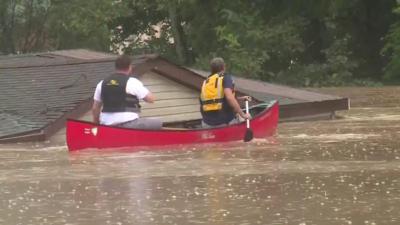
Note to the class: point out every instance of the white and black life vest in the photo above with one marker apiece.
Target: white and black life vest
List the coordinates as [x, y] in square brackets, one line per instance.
[114, 96]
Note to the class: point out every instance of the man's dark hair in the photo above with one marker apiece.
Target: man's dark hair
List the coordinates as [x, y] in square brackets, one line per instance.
[123, 62]
[217, 65]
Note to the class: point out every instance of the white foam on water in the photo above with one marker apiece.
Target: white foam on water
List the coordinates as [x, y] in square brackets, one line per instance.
[336, 137]
[383, 117]
[54, 148]
[194, 167]
[23, 147]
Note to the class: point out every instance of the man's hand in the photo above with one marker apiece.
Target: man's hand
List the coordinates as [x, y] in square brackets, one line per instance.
[245, 98]
[149, 98]
[245, 116]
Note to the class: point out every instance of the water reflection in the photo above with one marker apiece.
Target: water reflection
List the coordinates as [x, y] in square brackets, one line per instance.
[327, 172]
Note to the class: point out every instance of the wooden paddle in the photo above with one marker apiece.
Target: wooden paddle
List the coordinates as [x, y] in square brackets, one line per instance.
[248, 136]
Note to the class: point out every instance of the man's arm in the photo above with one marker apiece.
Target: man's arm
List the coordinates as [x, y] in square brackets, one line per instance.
[96, 108]
[136, 87]
[234, 104]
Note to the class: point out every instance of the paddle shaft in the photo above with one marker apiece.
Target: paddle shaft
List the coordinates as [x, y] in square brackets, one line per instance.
[247, 112]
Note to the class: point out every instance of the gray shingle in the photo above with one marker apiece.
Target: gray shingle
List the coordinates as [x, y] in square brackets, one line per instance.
[36, 90]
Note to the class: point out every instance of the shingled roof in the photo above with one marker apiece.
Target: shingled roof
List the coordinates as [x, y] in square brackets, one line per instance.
[40, 88]
[294, 103]
[39, 91]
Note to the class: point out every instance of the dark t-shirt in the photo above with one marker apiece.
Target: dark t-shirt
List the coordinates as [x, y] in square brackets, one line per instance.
[226, 114]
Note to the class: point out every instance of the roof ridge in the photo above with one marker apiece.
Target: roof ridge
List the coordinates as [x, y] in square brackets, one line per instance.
[54, 64]
[72, 60]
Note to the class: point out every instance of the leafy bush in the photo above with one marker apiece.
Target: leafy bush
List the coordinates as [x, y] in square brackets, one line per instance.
[337, 70]
[392, 50]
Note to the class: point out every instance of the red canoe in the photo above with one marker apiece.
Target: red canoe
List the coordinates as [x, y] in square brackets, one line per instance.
[82, 134]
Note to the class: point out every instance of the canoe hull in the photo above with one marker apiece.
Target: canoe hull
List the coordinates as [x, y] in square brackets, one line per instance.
[83, 135]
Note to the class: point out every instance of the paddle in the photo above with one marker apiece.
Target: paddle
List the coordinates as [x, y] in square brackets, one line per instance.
[248, 136]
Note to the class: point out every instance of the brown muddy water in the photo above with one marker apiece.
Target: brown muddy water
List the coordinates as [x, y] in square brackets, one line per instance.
[344, 171]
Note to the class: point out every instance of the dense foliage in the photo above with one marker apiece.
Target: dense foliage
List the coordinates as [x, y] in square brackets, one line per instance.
[296, 42]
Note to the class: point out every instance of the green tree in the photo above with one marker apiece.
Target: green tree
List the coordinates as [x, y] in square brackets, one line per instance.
[154, 26]
[392, 51]
[303, 42]
[41, 25]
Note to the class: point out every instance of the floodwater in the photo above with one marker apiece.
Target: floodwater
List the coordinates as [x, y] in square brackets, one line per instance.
[344, 171]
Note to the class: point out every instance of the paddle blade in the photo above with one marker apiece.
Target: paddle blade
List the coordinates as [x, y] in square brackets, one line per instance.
[248, 135]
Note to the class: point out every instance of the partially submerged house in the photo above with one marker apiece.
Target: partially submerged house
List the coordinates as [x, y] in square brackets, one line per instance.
[39, 91]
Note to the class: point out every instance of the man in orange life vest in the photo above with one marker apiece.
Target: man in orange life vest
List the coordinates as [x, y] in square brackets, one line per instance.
[219, 106]
[116, 99]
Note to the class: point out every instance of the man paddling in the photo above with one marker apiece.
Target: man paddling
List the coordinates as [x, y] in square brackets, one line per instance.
[116, 99]
[219, 106]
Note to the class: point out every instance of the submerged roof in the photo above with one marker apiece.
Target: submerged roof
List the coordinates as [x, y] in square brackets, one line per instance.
[39, 91]
[294, 103]
[52, 58]
[267, 92]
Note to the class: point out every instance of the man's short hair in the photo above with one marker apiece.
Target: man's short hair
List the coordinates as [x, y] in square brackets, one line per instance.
[217, 65]
[123, 62]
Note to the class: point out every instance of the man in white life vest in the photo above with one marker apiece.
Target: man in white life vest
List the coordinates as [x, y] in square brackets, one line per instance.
[116, 99]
